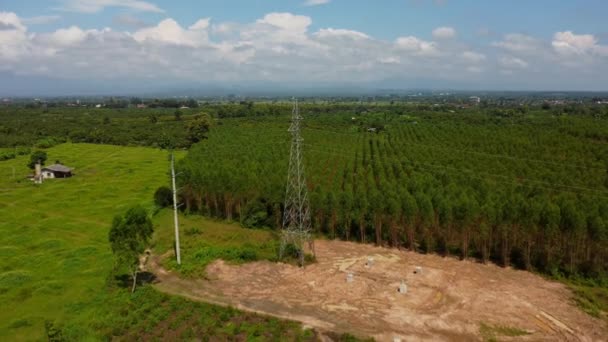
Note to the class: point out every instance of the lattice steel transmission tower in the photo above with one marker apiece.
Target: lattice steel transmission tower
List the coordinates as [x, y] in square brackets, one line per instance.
[296, 218]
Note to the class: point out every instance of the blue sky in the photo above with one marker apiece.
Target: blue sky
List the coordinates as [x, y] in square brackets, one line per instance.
[468, 44]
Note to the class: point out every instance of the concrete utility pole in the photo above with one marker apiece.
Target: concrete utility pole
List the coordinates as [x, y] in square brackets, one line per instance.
[177, 251]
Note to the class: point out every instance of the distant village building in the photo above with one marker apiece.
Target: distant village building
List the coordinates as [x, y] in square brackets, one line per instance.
[52, 171]
[141, 106]
[475, 99]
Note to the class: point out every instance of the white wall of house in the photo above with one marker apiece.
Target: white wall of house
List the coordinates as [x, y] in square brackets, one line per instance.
[47, 174]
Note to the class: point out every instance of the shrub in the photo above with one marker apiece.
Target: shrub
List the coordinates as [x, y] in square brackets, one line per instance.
[7, 155]
[163, 197]
[53, 332]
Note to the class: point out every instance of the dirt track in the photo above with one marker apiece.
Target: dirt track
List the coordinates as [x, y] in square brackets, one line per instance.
[446, 301]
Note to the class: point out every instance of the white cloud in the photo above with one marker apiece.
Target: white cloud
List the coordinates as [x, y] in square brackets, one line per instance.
[170, 32]
[13, 36]
[316, 2]
[473, 57]
[520, 43]
[444, 33]
[389, 60]
[94, 6]
[330, 32]
[417, 46]
[570, 44]
[282, 48]
[287, 21]
[510, 62]
[71, 35]
[202, 24]
[11, 21]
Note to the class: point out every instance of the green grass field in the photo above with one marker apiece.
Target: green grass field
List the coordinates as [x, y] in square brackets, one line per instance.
[204, 240]
[54, 252]
[55, 260]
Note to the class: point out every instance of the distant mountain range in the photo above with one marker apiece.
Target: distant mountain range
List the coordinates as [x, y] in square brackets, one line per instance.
[30, 86]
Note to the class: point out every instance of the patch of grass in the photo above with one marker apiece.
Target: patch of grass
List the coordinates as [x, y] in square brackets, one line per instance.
[151, 315]
[493, 332]
[209, 240]
[20, 323]
[592, 299]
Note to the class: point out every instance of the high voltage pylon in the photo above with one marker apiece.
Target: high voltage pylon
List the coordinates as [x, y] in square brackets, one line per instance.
[296, 218]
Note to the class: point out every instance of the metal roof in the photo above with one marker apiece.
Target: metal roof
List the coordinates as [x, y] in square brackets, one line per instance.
[57, 168]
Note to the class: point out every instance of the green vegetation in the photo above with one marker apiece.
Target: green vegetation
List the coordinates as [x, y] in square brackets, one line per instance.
[129, 237]
[205, 241]
[150, 315]
[518, 186]
[12, 153]
[591, 298]
[56, 263]
[523, 189]
[155, 127]
[54, 254]
[37, 157]
[163, 197]
[494, 332]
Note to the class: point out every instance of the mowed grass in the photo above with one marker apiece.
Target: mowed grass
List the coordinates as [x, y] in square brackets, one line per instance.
[54, 254]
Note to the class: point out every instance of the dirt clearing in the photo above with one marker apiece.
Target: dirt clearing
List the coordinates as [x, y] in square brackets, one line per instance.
[443, 298]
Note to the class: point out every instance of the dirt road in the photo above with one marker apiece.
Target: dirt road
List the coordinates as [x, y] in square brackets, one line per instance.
[446, 300]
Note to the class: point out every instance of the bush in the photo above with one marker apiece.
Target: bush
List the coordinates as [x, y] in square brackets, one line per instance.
[7, 156]
[163, 197]
[53, 332]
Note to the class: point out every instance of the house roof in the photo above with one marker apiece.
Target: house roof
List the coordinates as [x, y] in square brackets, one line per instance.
[57, 168]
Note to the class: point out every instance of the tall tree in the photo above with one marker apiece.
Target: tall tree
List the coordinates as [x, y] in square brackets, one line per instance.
[425, 220]
[346, 211]
[37, 157]
[129, 237]
[198, 128]
[332, 213]
[409, 210]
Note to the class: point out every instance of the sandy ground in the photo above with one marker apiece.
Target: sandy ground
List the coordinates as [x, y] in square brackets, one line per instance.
[446, 301]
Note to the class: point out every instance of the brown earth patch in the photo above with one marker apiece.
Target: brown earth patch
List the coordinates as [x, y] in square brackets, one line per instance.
[447, 300]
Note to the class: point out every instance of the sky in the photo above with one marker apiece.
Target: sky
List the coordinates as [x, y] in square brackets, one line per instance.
[60, 47]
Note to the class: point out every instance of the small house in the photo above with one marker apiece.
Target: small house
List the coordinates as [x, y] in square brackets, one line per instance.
[56, 171]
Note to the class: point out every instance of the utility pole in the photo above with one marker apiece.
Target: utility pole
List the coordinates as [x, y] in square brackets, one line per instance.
[177, 251]
[296, 219]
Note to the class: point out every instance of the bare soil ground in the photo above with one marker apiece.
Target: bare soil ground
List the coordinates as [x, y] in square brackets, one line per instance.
[448, 300]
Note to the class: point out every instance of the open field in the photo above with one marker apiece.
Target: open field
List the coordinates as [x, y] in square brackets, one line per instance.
[53, 247]
[448, 300]
[55, 260]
